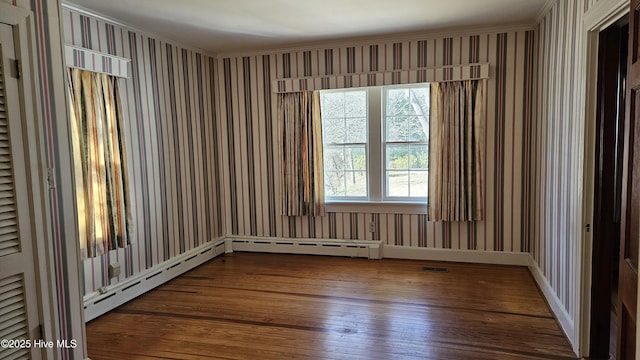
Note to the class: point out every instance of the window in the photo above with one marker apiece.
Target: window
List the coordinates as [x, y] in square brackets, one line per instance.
[406, 139]
[376, 143]
[344, 129]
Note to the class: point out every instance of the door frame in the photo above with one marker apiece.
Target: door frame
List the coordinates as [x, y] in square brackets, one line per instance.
[608, 142]
[603, 14]
[23, 23]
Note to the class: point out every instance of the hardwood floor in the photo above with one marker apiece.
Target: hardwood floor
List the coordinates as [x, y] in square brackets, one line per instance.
[269, 306]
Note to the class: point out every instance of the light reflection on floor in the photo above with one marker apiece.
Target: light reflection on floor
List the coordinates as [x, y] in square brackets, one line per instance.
[357, 321]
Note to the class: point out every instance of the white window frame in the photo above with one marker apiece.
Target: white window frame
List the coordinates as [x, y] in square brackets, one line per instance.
[376, 164]
[337, 199]
[383, 142]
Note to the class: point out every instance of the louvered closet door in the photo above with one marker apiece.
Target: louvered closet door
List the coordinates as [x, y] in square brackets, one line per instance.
[18, 296]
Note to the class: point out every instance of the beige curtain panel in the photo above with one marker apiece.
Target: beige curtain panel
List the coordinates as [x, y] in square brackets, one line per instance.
[99, 160]
[456, 151]
[302, 180]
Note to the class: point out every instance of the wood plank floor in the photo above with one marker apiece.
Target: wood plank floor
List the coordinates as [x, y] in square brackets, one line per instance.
[270, 306]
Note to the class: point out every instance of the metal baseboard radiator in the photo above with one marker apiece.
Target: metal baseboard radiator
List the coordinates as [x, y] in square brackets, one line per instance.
[108, 298]
[332, 247]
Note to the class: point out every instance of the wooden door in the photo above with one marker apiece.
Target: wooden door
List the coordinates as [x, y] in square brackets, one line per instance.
[612, 71]
[628, 286]
[19, 320]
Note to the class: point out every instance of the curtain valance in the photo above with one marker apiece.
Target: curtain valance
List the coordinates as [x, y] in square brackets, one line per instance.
[407, 76]
[94, 61]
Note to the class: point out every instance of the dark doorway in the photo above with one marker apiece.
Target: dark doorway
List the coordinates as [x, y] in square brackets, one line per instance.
[612, 72]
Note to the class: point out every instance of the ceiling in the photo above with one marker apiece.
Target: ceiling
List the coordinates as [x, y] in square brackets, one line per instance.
[219, 26]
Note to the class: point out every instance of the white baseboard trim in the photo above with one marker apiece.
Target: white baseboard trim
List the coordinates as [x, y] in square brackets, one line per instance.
[453, 255]
[331, 247]
[493, 257]
[561, 314]
[120, 293]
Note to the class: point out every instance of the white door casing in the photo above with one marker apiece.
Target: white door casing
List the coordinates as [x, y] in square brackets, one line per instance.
[19, 309]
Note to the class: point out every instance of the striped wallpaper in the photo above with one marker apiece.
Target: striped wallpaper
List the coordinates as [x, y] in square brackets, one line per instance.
[250, 129]
[588, 4]
[169, 104]
[558, 153]
[48, 65]
[190, 165]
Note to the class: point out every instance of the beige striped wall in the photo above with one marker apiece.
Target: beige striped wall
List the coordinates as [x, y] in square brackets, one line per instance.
[558, 156]
[588, 4]
[534, 142]
[250, 126]
[173, 156]
[546, 223]
[60, 287]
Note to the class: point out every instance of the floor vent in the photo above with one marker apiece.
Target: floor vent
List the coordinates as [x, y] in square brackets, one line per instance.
[434, 269]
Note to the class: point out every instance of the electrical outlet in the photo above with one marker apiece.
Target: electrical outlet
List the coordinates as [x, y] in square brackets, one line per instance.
[114, 270]
[372, 226]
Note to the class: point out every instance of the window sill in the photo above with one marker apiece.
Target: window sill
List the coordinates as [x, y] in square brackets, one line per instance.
[381, 207]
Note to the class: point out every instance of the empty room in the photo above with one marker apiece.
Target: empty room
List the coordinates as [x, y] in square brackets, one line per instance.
[341, 180]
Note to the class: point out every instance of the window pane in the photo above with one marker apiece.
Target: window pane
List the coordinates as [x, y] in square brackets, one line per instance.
[355, 103]
[334, 183]
[419, 100]
[398, 102]
[333, 158]
[398, 183]
[356, 130]
[397, 157]
[356, 183]
[333, 131]
[419, 157]
[344, 122]
[417, 128]
[332, 105]
[411, 104]
[356, 158]
[406, 136]
[406, 128]
[396, 128]
[418, 183]
[413, 181]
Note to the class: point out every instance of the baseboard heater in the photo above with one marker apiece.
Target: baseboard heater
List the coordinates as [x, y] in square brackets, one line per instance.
[110, 297]
[331, 247]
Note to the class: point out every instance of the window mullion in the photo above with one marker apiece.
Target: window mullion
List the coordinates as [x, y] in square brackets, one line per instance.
[375, 155]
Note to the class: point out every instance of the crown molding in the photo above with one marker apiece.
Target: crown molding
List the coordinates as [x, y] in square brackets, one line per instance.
[93, 14]
[545, 10]
[604, 13]
[322, 44]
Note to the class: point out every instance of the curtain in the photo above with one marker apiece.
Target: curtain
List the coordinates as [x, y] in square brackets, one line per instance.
[456, 151]
[302, 180]
[99, 161]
